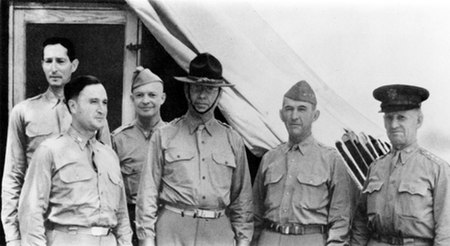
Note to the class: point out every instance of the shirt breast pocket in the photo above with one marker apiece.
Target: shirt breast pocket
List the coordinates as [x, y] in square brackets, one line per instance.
[178, 165]
[413, 199]
[373, 193]
[313, 191]
[76, 180]
[114, 191]
[274, 187]
[37, 133]
[221, 172]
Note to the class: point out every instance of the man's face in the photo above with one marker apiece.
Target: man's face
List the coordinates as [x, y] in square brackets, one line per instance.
[57, 66]
[147, 99]
[203, 97]
[89, 109]
[298, 117]
[401, 127]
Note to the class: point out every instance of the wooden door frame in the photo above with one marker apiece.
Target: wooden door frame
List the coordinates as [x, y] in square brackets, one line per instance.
[22, 14]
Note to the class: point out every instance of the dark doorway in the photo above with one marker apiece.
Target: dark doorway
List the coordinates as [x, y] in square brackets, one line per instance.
[100, 50]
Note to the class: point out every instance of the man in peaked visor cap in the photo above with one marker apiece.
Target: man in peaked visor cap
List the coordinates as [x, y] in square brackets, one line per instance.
[405, 197]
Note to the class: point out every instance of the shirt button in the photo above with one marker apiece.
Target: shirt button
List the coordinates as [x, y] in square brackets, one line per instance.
[203, 159]
[203, 142]
[204, 197]
[284, 210]
[203, 177]
[226, 162]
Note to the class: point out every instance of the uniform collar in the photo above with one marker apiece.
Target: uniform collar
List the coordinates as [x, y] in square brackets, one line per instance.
[302, 147]
[79, 139]
[210, 126]
[148, 134]
[405, 154]
[51, 97]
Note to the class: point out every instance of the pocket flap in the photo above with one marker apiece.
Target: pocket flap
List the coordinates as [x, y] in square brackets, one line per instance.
[373, 186]
[73, 172]
[314, 180]
[115, 179]
[224, 159]
[272, 178]
[412, 188]
[173, 155]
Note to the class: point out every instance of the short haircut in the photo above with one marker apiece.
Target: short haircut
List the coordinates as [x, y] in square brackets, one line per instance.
[65, 42]
[76, 85]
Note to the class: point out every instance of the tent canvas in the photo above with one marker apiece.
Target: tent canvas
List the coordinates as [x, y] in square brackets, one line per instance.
[256, 60]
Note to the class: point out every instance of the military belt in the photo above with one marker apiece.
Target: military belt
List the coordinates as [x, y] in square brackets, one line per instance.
[196, 212]
[295, 228]
[94, 230]
[392, 240]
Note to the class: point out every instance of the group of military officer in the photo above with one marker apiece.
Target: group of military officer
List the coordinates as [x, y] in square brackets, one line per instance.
[187, 182]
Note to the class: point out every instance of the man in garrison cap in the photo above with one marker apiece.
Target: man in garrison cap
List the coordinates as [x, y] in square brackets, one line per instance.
[131, 141]
[302, 191]
[405, 199]
[195, 188]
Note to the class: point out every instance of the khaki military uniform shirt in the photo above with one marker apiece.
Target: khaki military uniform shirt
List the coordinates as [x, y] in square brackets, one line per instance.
[406, 194]
[31, 122]
[305, 183]
[76, 182]
[196, 168]
[131, 145]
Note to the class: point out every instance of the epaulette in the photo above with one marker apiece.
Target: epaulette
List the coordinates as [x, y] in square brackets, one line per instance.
[122, 128]
[326, 146]
[432, 157]
[35, 97]
[175, 121]
[224, 124]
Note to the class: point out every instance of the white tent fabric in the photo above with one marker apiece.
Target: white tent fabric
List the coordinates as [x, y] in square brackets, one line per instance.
[256, 60]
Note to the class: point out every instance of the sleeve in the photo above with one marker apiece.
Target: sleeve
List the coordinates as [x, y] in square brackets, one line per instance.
[35, 197]
[259, 196]
[360, 231]
[241, 204]
[343, 191]
[148, 192]
[441, 206]
[15, 166]
[123, 230]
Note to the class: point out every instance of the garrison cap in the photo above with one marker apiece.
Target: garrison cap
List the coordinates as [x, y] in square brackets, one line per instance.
[302, 91]
[142, 76]
[205, 70]
[399, 97]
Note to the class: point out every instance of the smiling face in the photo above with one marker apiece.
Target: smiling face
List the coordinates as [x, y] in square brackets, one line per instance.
[57, 66]
[298, 117]
[147, 99]
[89, 109]
[401, 127]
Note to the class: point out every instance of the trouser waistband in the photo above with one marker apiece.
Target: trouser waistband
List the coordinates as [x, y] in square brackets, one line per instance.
[73, 229]
[196, 212]
[401, 240]
[295, 228]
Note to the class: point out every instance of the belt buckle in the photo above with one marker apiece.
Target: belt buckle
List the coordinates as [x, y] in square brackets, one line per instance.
[284, 229]
[205, 214]
[99, 231]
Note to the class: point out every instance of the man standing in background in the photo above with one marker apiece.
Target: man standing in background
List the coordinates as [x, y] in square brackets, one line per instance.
[34, 120]
[131, 141]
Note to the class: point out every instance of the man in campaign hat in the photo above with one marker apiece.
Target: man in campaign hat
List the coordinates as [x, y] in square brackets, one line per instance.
[405, 197]
[302, 191]
[195, 187]
[131, 140]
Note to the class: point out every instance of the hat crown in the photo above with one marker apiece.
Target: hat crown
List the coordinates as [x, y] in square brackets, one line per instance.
[205, 65]
[398, 97]
[142, 76]
[302, 91]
